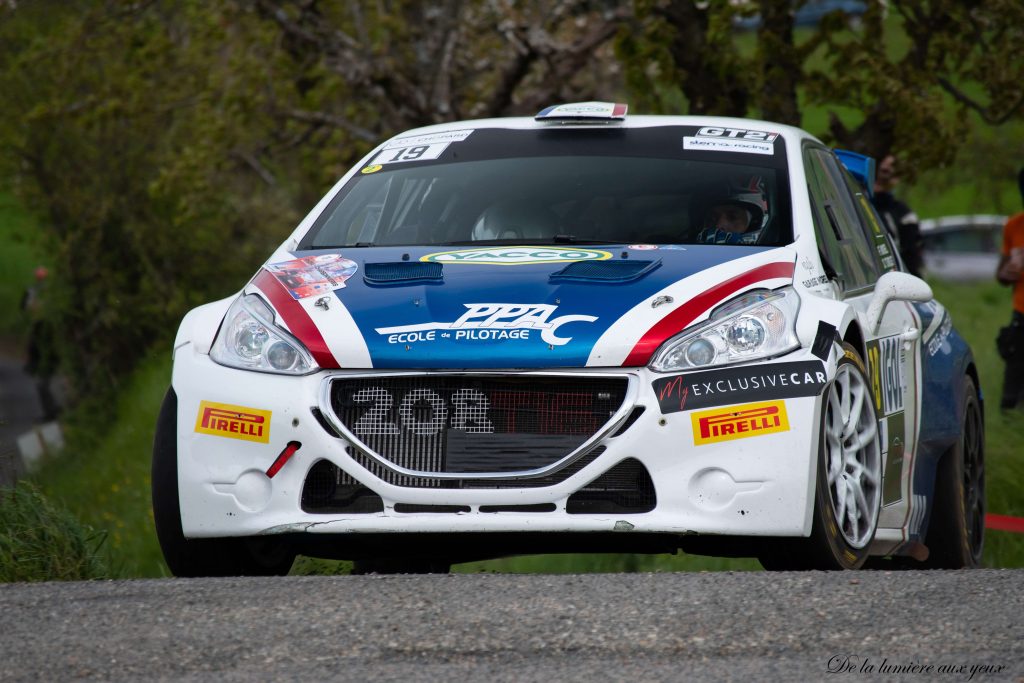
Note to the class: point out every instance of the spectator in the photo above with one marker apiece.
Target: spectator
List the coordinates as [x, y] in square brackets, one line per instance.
[1011, 337]
[900, 221]
[42, 361]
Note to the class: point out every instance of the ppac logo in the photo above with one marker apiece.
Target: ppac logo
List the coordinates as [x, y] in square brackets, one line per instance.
[489, 322]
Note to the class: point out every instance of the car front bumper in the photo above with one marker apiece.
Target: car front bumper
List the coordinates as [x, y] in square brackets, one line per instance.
[759, 485]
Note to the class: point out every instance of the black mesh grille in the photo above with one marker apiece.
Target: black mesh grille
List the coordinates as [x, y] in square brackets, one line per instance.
[330, 490]
[624, 489]
[473, 424]
[391, 477]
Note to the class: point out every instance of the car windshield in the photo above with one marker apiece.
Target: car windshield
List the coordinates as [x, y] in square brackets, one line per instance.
[616, 186]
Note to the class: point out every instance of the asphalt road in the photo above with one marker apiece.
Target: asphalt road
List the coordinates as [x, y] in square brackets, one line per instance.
[489, 627]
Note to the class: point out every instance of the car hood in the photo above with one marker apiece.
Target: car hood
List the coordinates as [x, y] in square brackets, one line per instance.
[507, 307]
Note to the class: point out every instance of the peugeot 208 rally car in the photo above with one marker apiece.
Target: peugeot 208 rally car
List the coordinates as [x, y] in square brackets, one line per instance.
[580, 331]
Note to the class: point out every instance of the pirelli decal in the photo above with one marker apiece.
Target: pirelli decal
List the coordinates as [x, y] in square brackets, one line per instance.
[739, 422]
[234, 422]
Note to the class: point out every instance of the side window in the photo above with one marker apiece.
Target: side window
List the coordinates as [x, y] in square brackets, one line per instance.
[877, 235]
[851, 254]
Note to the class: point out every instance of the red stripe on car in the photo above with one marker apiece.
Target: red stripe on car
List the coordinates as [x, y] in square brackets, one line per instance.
[676, 321]
[295, 316]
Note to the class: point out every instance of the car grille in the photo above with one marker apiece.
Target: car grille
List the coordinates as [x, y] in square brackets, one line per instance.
[472, 424]
[624, 489]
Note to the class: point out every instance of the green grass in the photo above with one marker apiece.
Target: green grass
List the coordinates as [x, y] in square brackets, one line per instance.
[42, 541]
[19, 257]
[103, 475]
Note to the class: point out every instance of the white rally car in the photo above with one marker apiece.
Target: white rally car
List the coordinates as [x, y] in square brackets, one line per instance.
[582, 332]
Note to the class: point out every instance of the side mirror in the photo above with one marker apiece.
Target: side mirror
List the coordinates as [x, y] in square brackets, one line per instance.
[895, 286]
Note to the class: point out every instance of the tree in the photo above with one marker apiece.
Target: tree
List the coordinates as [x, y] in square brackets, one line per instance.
[915, 102]
[170, 145]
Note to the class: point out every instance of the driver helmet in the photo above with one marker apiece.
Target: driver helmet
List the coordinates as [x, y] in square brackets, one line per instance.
[746, 193]
[515, 220]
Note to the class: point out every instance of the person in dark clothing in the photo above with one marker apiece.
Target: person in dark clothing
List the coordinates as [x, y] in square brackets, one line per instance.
[901, 222]
[1011, 338]
[42, 359]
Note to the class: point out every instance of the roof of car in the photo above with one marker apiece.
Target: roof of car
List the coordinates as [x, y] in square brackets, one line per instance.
[631, 121]
[976, 221]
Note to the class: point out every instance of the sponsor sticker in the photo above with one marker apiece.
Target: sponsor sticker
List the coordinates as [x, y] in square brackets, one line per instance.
[489, 322]
[517, 256]
[887, 363]
[643, 247]
[585, 110]
[233, 422]
[739, 422]
[372, 168]
[429, 139]
[736, 134]
[728, 145]
[707, 389]
[313, 275]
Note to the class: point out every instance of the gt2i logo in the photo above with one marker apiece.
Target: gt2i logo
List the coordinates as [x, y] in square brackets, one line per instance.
[737, 134]
[888, 364]
[739, 422]
[234, 422]
[424, 412]
[490, 322]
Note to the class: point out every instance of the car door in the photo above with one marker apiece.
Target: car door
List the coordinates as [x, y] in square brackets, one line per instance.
[858, 252]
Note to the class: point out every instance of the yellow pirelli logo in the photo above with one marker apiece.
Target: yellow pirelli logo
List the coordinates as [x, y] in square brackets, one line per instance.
[739, 422]
[234, 422]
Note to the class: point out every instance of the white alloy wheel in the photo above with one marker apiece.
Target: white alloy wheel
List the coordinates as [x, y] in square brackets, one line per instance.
[853, 456]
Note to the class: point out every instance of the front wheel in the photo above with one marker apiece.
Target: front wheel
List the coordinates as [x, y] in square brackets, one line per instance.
[259, 556]
[848, 490]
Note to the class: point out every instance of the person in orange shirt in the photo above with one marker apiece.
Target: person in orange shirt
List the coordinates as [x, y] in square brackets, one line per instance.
[1011, 338]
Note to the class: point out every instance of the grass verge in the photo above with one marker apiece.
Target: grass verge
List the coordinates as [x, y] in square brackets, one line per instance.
[42, 541]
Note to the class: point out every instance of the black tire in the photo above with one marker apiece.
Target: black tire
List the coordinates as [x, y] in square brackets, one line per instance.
[956, 531]
[201, 557]
[837, 540]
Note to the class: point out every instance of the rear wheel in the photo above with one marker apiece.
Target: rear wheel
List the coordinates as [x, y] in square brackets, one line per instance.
[848, 490]
[956, 532]
[259, 556]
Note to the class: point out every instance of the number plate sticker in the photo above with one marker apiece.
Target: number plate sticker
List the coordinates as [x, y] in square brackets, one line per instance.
[411, 153]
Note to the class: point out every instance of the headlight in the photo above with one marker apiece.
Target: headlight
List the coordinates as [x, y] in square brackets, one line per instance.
[249, 339]
[754, 325]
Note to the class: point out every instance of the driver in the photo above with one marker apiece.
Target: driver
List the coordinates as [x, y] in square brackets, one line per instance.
[737, 218]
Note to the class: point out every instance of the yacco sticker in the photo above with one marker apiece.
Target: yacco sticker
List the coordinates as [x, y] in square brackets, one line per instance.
[711, 388]
[312, 275]
[489, 322]
[517, 256]
[739, 422]
[728, 145]
[887, 363]
[429, 139]
[234, 422]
